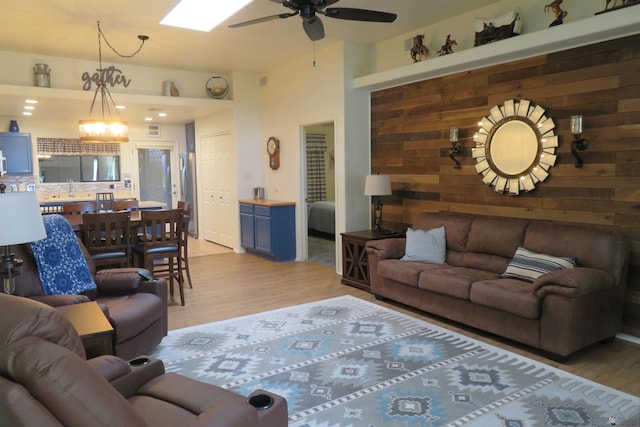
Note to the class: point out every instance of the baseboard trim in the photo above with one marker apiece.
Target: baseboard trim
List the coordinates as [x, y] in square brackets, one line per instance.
[630, 338]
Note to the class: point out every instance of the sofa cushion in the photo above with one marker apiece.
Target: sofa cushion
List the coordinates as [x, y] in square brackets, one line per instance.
[528, 265]
[452, 281]
[496, 236]
[425, 246]
[457, 226]
[510, 295]
[405, 272]
[131, 314]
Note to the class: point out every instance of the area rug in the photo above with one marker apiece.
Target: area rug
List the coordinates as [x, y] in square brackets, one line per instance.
[347, 362]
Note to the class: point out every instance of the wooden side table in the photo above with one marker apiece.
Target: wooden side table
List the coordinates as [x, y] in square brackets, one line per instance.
[355, 265]
[93, 327]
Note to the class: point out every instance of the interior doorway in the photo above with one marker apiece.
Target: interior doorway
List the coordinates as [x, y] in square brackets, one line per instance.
[320, 197]
[157, 173]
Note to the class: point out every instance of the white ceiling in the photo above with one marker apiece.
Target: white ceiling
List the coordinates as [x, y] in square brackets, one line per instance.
[67, 28]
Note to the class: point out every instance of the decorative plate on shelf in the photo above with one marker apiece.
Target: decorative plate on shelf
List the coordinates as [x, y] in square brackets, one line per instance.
[217, 87]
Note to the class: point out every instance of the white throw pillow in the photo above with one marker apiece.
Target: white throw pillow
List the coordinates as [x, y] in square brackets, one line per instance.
[426, 246]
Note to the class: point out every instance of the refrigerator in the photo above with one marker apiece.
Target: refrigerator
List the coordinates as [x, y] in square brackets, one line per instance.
[188, 177]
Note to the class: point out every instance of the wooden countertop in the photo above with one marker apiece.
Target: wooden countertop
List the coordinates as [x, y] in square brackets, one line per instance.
[267, 202]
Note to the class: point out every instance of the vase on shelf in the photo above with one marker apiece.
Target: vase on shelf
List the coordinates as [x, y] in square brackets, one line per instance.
[13, 126]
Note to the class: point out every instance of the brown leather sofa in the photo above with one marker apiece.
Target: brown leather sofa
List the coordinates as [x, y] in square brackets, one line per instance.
[45, 380]
[560, 312]
[135, 307]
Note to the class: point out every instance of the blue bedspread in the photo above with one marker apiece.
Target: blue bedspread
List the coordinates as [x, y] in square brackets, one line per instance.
[61, 265]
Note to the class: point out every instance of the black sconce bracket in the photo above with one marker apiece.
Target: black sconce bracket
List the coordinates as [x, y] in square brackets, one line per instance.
[578, 144]
[456, 150]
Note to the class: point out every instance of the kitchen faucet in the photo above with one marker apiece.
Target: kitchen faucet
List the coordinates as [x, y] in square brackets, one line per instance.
[70, 188]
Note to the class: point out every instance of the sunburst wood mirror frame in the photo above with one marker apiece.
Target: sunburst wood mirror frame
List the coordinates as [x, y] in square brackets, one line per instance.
[515, 146]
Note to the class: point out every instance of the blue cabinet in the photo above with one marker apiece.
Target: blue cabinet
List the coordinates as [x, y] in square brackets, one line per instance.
[16, 147]
[268, 228]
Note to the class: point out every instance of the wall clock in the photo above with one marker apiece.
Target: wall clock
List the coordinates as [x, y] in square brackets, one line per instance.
[273, 149]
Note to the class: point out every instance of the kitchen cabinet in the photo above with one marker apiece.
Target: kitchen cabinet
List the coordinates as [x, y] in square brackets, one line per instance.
[267, 228]
[16, 147]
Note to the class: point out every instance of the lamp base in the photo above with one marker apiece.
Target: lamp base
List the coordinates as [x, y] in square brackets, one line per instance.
[9, 270]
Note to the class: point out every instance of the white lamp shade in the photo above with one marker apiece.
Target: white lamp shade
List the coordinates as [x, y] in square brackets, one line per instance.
[377, 185]
[20, 218]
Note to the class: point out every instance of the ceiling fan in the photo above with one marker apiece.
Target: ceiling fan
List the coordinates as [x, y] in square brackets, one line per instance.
[312, 25]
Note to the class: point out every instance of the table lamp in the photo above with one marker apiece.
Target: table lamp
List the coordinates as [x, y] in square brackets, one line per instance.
[20, 222]
[376, 186]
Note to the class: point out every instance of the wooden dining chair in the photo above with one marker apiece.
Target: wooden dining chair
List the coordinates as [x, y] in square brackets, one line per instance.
[105, 202]
[126, 205]
[79, 208]
[184, 239]
[158, 247]
[107, 238]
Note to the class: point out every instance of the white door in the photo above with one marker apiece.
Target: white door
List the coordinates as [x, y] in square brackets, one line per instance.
[156, 171]
[218, 203]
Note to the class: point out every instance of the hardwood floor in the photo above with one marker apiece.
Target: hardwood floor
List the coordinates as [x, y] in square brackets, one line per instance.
[229, 285]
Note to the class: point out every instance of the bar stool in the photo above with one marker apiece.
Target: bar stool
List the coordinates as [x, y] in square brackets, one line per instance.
[159, 246]
[107, 238]
[184, 238]
[105, 202]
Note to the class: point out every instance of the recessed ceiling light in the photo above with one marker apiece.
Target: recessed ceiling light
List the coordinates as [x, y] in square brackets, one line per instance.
[121, 107]
[162, 114]
[148, 119]
[29, 107]
[31, 101]
[27, 113]
[202, 15]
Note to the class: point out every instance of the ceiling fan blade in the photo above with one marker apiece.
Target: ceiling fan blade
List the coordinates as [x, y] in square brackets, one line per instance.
[358, 14]
[264, 19]
[314, 28]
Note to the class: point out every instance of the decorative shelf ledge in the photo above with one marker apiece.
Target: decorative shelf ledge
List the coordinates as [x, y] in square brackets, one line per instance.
[599, 28]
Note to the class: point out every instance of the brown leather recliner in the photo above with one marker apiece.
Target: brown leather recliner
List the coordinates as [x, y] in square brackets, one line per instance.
[135, 307]
[45, 380]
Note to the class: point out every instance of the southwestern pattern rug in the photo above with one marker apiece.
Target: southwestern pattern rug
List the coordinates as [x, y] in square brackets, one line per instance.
[347, 362]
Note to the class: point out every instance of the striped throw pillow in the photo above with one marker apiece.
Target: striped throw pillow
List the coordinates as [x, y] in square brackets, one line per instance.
[528, 265]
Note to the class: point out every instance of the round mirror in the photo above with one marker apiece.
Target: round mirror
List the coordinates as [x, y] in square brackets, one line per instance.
[515, 146]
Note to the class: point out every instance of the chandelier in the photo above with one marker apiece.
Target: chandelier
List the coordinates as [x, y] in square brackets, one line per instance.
[108, 128]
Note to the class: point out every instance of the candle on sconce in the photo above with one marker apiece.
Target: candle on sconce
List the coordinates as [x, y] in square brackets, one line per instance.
[576, 125]
[453, 134]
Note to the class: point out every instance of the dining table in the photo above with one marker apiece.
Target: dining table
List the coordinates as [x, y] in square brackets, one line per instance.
[76, 221]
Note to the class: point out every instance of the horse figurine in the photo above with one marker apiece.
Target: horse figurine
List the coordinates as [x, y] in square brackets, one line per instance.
[419, 50]
[606, 7]
[447, 47]
[555, 8]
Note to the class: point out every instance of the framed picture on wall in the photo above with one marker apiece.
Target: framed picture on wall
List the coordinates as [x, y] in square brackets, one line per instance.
[153, 130]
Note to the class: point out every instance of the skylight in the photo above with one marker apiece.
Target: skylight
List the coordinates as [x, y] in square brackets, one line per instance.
[202, 15]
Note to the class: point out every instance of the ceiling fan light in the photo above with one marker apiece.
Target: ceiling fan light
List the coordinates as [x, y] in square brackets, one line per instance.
[101, 131]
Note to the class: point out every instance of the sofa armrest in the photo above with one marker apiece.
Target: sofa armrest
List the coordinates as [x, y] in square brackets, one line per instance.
[139, 374]
[123, 281]
[60, 300]
[573, 282]
[110, 367]
[387, 248]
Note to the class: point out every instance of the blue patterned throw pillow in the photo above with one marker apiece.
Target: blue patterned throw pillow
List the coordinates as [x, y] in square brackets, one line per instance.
[61, 264]
[528, 265]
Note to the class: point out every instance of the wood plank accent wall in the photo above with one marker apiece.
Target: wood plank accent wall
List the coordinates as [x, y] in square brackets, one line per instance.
[410, 142]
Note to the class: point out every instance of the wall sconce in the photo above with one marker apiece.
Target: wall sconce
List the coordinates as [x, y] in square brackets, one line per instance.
[578, 143]
[456, 149]
[376, 186]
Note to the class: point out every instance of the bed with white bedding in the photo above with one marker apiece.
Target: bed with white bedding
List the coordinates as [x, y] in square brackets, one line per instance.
[321, 216]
